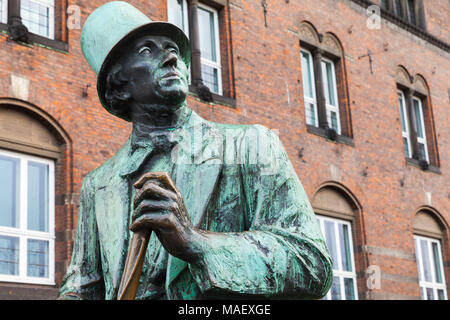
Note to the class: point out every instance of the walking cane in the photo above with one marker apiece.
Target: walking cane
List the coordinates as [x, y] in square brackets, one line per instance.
[133, 265]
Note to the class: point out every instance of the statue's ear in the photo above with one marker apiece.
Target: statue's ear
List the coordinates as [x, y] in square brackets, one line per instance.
[115, 86]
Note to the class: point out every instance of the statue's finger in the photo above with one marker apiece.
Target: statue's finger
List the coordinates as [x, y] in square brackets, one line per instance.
[149, 176]
[151, 190]
[151, 221]
[151, 206]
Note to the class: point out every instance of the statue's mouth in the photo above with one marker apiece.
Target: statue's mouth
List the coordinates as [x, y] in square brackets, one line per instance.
[171, 76]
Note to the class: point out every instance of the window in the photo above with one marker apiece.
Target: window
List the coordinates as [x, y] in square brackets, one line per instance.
[309, 89]
[209, 46]
[39, 16]
[325, 93]
[208, 26]
[337, 234]
[430, 268]
[410, 11]
[4, 11]
[421, 138]
[329, 87]
[405, 124]
[27, 236]
[418, 118]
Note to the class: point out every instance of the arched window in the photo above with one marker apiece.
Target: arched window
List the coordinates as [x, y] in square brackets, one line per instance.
[32, 166]
[324, 84]
[416, 119]
[428, 239]
[336, 213]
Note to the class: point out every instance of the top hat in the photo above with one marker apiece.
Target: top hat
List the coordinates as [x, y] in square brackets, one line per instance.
[113, 25]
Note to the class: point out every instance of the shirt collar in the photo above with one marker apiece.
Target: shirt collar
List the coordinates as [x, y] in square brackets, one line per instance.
[144, 143]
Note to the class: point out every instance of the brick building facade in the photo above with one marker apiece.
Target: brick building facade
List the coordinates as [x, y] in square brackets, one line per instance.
[360, 101]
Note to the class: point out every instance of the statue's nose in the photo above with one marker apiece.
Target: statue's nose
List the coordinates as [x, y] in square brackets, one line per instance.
[170, 59]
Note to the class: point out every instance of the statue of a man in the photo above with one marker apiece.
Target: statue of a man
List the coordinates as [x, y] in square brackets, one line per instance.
[227, 214]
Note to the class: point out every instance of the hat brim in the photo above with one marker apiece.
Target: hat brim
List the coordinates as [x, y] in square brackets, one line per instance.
[152, 28]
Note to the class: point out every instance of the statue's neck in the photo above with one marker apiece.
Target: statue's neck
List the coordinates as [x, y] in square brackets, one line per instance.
[149, 117]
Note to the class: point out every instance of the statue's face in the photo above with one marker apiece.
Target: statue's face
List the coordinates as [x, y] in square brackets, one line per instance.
[155, 71]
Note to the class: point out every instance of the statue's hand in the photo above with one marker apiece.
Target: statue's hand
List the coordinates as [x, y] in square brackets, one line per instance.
[158, 206]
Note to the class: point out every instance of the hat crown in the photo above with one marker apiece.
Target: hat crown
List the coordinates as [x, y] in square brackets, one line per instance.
[105, 27]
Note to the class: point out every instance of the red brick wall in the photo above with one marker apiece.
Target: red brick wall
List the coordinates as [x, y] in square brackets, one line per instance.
[267, 83]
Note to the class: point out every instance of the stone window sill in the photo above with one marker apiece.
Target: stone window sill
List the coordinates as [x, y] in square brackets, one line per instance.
[217, 99]
[321, 132]
[41, 41]
[415, 163]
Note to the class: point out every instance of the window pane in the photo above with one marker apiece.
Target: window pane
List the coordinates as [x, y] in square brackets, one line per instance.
[398, 8]
[311, 115]
[38, 196]
[207, 34]
[331, 243]
[422, 151]
[37, 258]
[336, 289]
[402, 112]
[9, 192]
[9, 255]
[441, 295]
[437, 262]
[430, 295]
[345, 247]
[384, 4]
[419, 268]
[349, 289]
[3, 13]
[307, 75]
[210, 78]
[405, 146]
[331, 87]
[334, 123]
[36, 17]
[425, 261]
[411, 12]
[175, 13]
[418, 112]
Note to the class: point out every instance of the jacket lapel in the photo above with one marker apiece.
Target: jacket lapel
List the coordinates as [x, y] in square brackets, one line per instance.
[198, 163]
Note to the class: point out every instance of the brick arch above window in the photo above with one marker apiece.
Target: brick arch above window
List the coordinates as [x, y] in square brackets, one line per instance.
[336, 200]
[26, 128]
[429, 222]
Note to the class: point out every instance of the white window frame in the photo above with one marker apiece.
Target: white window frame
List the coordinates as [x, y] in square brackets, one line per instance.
[51, 28]
[22, 232]
[330, 107]
[214, 64]
[310, 100]
[434, 284]
[340, 273]
[405, 134]
[422, 140]
[4, 15]
[184, 6]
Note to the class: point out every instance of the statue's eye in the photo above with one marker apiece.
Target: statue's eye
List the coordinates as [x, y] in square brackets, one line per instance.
[145, 51]
[173, 50]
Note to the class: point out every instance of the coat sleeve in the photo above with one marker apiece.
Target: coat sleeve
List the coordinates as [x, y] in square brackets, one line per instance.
[84, 277]
[283, 253]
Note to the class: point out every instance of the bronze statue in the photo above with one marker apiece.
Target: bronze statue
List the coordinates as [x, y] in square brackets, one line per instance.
[187, 208]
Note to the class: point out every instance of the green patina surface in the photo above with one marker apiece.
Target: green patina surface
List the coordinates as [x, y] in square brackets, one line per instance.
[267, 241]
[261, 237]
